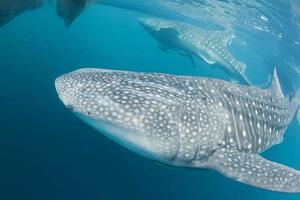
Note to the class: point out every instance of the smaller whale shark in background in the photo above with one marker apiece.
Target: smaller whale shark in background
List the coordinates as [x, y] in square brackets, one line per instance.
[185, 121]
[210, 46]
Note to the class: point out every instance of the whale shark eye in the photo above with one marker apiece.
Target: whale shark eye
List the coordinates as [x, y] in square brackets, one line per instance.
[70, 108]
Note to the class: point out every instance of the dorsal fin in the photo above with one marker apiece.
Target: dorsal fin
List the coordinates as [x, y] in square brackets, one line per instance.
[275, 86]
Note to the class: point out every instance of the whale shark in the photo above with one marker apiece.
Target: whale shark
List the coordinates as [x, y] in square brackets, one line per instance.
[210, 46]
[185, 121]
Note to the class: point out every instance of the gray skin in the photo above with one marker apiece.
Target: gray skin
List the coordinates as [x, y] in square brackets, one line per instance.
[187, 121]
[193, 41]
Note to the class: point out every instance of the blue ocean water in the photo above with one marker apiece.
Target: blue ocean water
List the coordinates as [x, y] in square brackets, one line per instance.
[48, 153]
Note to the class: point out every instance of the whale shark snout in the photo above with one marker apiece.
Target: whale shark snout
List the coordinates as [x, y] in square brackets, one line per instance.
[154, 24]
[65, 86]
[115, 105]
[77, 92]
[148, 22]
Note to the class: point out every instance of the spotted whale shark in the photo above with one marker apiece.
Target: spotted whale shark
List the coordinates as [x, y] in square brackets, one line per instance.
[184, 121]
[193, 41]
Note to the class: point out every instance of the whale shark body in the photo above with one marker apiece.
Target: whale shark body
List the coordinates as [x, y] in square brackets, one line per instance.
[187, 121]
[210, 46]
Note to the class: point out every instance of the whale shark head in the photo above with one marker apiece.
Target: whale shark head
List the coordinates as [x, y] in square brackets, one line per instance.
[153, 24]
[115, 104]
[162, 30]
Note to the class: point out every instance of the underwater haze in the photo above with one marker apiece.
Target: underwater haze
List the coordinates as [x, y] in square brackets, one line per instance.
[46, 152]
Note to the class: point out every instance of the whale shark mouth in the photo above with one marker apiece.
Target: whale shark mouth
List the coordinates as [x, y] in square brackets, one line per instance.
[126, 138]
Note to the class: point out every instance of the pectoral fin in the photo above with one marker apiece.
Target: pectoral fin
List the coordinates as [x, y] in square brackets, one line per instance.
[169, 34]
[254, 170]
[232, 80]
[192, 60]
[163, 47]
